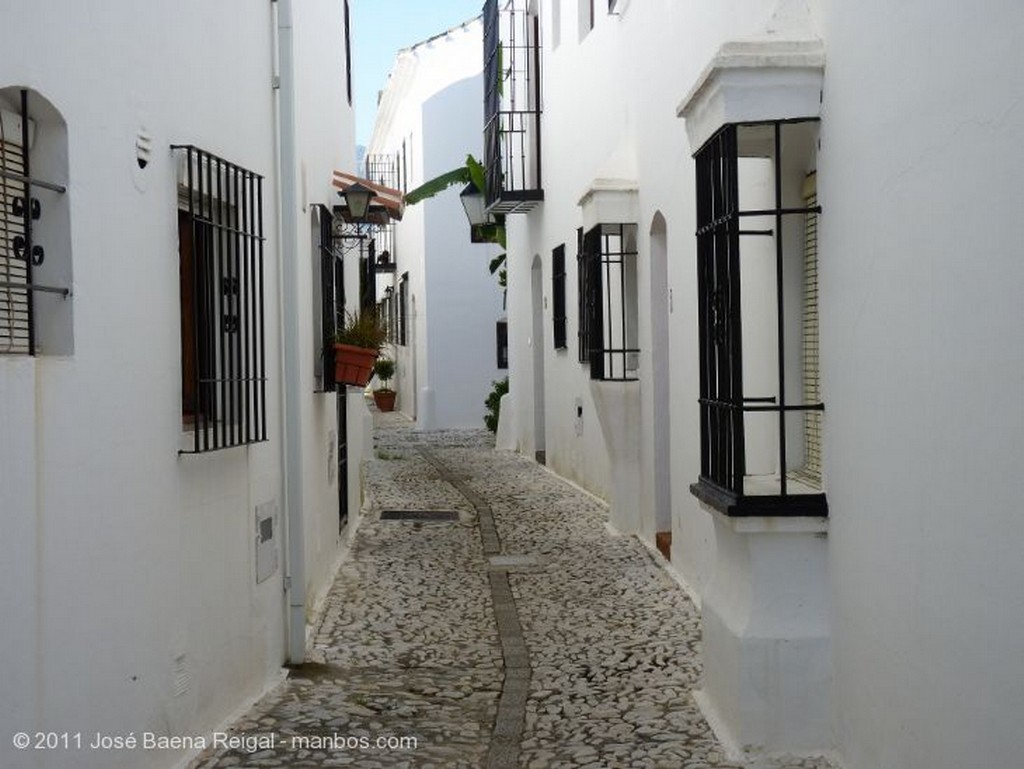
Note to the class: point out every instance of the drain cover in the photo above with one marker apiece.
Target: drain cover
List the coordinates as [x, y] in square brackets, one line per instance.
[419, 515]
[513, 561]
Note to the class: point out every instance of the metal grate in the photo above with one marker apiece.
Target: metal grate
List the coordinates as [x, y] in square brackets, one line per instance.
[512, 146]
[582, 313]
[501, 341]
[224, 371]
[435, 516]
[403, 310]
[558, 297]
[723, 402]
[20, 254]
[14, 271]
[610, 286]
[332, 293]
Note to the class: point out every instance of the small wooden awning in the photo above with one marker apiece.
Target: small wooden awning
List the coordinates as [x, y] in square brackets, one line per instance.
[387, 204]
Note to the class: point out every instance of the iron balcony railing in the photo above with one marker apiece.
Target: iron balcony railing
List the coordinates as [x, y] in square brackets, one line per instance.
[512, 131]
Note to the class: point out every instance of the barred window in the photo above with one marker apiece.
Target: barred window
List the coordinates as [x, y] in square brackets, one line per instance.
[328, 296]
[609, 292]
[760, 400]
[403, 309]
[348, 55]
[512, 106]
[501, 342]
[223, 360]
[582, 317]
[35, 234]
[558, 296]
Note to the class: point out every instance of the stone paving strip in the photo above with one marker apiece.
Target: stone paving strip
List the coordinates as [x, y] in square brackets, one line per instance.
[417, 636]
[508, 723]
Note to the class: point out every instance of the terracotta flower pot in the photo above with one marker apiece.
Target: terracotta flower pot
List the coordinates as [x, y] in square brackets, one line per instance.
[385, 399]
[353, 365]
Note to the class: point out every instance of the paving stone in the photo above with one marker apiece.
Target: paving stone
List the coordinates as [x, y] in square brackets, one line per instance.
[408, 644]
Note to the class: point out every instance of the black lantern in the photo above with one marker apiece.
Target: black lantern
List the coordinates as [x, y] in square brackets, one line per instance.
[357, 198]
[476, 208]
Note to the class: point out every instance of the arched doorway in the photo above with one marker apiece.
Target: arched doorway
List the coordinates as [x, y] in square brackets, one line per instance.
[537, 342]
[661, 389]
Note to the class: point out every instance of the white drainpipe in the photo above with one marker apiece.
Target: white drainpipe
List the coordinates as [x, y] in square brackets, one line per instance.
[295, 579]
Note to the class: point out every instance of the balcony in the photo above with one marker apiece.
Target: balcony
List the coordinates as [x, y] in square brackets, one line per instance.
[512, 138]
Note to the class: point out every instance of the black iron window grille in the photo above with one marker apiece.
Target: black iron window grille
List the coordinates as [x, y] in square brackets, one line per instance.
[383, 169]
[610, 301]
[331, 294]
[348, 55]
[223, 358]
[558, 297]
[368, 278]
[22, 256]
[405, 168]
[512, 136]
[501, 340]
[384, 309]
[392, 315]
[753, 222]
[582, 314]
[403, 310]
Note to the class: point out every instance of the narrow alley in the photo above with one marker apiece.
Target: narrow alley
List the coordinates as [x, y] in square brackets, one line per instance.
[519, 632]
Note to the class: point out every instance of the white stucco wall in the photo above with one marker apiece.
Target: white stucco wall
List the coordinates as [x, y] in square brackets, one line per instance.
[920, 323]
[463, 298]
[433, 102]
[128, 569]
[610, 114]
[921, 354]
[325, 138]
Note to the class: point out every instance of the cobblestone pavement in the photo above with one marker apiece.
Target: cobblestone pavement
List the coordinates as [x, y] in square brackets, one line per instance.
[409, 645]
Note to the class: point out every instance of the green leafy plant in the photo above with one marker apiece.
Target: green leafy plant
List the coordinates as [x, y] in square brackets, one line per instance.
[363, 330]
[471, 173]
[493, 404]
[384, 369]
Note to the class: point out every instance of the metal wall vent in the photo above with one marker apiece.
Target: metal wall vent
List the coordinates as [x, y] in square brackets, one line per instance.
[419, 515]
[266, 540]
[143, 147]
[181, 677]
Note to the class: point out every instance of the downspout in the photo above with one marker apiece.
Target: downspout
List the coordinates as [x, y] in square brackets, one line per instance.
[295, 573]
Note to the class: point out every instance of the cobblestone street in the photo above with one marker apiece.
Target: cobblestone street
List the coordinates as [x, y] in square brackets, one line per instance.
[521, 633]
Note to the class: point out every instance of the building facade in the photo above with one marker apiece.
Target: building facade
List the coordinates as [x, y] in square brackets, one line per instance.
[444, 303]
[173, 517]
[749, 306]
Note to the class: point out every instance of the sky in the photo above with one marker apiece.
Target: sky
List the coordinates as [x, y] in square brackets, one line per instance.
[380, 28]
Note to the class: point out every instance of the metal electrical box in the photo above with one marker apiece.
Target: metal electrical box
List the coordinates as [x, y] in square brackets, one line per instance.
[266, 540]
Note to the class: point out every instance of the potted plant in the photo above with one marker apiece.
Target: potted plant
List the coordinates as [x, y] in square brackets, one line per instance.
[384, 396]
[356, 347]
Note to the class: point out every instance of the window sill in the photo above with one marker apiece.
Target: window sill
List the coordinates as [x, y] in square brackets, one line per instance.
[187, 440]
[759, 501]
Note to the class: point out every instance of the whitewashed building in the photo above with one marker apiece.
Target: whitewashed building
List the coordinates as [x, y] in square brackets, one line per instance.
[436, 287]
[174, 477]
[764, 296]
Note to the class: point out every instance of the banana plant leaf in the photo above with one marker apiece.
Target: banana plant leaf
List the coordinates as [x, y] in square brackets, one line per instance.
[477, 175]
[438, 184]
